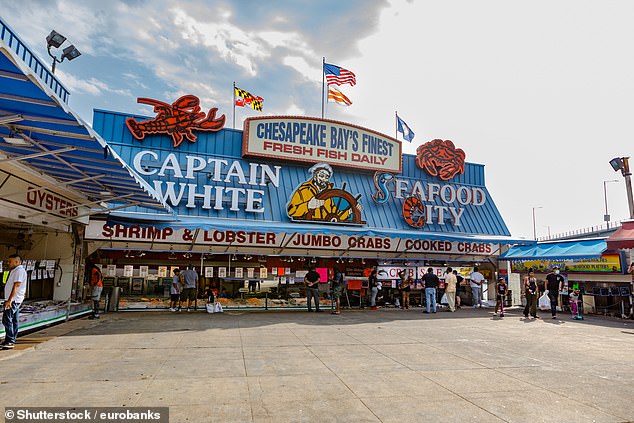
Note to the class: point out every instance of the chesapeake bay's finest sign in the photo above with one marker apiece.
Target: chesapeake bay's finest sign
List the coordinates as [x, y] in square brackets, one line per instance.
[313, 140]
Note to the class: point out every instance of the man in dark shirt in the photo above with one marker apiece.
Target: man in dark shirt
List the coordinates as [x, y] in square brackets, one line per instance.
[312, 289]
[554, 284]
[431, 282]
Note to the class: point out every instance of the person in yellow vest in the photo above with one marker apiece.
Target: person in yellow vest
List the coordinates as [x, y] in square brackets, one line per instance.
[304, 198]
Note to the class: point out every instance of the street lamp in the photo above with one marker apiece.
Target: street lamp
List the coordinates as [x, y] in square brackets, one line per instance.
[534, 229]
[606, 217]
[622, 164]
[55, 40]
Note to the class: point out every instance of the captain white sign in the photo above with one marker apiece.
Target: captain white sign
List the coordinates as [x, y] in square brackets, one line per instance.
[219, 172]
[316, 140]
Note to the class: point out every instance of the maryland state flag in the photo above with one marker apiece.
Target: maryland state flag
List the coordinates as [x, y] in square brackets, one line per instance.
[244, 98]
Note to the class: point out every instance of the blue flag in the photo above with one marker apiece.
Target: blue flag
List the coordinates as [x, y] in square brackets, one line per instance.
[408, 134]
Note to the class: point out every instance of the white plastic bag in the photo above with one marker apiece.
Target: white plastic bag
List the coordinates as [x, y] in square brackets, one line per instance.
[218, 308]
[444, 299]
[210, 308]
[544, 302]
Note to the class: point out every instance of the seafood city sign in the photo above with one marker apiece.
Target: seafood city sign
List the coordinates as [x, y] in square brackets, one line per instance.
[428, 202]
[314, 140]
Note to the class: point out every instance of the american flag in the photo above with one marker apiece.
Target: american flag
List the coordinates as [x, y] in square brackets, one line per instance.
[336, 75]
[338, 97]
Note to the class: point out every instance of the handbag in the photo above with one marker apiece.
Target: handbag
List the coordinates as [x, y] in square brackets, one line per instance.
[544, 302]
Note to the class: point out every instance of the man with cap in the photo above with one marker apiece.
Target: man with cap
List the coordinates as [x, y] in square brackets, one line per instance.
[305, 205]
[554, 284]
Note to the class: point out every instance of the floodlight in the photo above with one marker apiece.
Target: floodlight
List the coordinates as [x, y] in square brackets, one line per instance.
[70, 53]
[55, 39]
[617, 164]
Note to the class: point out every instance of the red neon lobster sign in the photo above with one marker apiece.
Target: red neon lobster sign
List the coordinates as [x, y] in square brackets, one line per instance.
[178, 119]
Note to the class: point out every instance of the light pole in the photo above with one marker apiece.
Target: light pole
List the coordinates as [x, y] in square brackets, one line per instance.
[606, 217]
[534, 229]
[622, 164]
[55, 39]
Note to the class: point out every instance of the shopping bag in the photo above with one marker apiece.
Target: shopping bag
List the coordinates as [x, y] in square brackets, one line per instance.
[210, 308]
[544, 302]
[218, 308]
[444, 300]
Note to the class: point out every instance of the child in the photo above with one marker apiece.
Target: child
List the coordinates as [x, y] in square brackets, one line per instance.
[574, 300]
[209, 294]
[500, 288]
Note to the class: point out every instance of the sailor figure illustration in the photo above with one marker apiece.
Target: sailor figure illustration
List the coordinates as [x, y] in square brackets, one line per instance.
[317, 199]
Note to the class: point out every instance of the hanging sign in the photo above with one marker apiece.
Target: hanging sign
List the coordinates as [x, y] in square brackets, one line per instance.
[313, 140]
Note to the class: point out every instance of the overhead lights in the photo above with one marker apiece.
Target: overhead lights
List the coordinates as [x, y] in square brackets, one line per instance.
[55, 40]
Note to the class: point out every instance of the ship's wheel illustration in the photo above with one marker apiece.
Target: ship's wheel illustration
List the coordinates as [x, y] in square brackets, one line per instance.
[344, 210]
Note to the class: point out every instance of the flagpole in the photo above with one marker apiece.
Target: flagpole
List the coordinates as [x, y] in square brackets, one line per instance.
[323, 64]
[396, 124]
[233, 96]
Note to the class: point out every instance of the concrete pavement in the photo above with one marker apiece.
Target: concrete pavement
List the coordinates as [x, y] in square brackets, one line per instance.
[362, 366]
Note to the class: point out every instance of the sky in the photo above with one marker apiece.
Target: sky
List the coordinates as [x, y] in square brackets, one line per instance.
[540, 92]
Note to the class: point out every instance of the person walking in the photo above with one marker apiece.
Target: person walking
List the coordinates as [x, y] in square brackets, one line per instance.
[530, 291]
[405, 287]
[14, 291]
[431, 282]
[450, 289]
[459, 280]
[373, 283]
[312, 289]
[476, 280]
[175, 291]
[337, 290]
[190, 282]
[554, 284]
[500, 289]
[96, 282]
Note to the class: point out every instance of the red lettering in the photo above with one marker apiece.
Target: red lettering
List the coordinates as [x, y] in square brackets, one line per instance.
[106, 231]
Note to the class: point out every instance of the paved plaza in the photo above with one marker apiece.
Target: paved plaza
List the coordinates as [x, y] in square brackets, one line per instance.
[362, 366]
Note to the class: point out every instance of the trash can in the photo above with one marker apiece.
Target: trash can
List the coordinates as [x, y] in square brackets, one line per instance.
[113, 299]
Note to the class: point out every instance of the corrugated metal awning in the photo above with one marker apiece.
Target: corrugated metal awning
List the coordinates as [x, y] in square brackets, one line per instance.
[557, 250]
[38, 130]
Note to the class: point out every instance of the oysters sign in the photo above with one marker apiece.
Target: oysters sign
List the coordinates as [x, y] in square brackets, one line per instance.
[314, 140]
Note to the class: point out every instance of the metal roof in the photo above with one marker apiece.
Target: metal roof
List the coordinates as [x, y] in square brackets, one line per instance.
[38, 130]
[480, 223]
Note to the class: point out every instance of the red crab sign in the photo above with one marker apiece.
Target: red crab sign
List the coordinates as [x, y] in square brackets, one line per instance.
[440, 158]
[178, 120]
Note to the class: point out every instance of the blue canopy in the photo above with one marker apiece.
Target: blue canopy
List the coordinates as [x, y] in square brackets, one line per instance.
[583, 249]
[39, 131]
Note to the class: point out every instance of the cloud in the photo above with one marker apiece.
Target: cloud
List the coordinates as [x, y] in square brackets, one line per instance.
[90, 86]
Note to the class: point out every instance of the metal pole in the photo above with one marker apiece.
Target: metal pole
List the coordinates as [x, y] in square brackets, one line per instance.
[396, 122]
[234, 104]
[534, 230]
[630, 199]
[323, 65]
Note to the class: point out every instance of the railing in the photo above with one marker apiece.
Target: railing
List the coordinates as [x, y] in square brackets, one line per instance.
[592, 230]
[36, 65]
